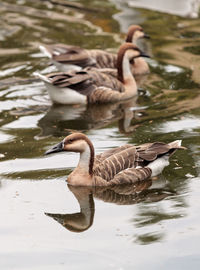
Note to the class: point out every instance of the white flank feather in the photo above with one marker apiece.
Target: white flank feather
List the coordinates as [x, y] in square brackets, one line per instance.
[158, 165]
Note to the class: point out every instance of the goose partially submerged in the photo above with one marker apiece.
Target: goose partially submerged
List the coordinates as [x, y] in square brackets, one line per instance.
[68, 57]
[95, 85]
[123, 165]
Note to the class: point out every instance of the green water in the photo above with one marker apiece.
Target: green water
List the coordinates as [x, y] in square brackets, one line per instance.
[43, 226]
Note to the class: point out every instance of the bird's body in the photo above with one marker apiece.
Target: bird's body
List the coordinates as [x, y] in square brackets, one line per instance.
[122, 165]
[67, 57]
[94, 85]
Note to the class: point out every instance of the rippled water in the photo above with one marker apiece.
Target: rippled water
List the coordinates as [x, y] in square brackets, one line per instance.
[44, 223]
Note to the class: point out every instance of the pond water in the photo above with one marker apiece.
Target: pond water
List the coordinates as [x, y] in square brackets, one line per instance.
[44, 223]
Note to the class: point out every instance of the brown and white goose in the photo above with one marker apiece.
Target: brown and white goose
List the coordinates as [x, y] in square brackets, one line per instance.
[93, 85]
[122, 165]
[67, 57]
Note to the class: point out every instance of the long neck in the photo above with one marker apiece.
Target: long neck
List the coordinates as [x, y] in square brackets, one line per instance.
[124, 71]
[86, 160]
[123, 68]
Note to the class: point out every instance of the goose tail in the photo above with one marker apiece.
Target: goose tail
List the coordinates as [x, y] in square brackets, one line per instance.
[176, 145]
[42, 77]
[45, 51]
[160, 163]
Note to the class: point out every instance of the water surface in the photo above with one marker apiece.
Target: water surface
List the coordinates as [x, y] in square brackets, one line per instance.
[44, 223]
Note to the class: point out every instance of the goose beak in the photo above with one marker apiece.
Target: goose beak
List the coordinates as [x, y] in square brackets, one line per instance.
[146, 36]
[143, 54]
[55, 149]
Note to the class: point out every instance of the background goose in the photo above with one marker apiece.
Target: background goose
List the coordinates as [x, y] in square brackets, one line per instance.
[122, 165]
[67, 57]
[94, 86]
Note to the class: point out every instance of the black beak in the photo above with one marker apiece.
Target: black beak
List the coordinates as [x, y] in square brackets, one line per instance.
[146, 36]
[144, 55]
[57, 148]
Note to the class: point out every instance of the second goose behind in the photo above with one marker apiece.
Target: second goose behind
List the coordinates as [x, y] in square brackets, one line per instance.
[95, 85]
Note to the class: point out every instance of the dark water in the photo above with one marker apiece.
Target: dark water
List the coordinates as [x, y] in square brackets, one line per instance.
[44, 223]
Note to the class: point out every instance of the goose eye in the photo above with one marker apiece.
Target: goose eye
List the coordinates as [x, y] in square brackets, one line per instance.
[131, 61]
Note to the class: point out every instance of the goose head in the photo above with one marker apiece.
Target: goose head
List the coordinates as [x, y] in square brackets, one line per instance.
[126, 54]
[77, 142]
[135, 32]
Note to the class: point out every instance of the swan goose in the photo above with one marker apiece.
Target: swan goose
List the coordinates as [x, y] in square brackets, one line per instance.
[68, 57]
[122, 165]
[95, 85]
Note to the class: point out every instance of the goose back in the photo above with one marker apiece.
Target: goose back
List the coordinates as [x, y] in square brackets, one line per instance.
[67, 54]
[119, 166]
[85, 81]
[103, 59]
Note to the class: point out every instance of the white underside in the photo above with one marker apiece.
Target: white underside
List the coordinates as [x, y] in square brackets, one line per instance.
[65, 95]
[158, 165]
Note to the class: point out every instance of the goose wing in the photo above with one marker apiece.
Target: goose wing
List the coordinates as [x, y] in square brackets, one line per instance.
[67, 54]
[116, 162]
[150, 151]
[106, 154]
[109, 167]
[88, 80]
[131, 176]
[80, 81]
[110, 71]
[103, 59]
[105, 77]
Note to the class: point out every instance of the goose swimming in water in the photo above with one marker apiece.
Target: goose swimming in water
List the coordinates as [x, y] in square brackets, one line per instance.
[67, 57]
[93, 85]
[122, 165]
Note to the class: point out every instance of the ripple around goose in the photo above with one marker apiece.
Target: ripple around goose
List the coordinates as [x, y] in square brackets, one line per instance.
[121, 195]
[95, 85]
[67, 57]
[122, 165]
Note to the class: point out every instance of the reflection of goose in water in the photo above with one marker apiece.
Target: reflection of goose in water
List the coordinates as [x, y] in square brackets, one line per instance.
[123, 195]
[60, 118]
[80, 221]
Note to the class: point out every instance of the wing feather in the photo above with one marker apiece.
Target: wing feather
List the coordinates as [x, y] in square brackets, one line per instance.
[131, 176]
